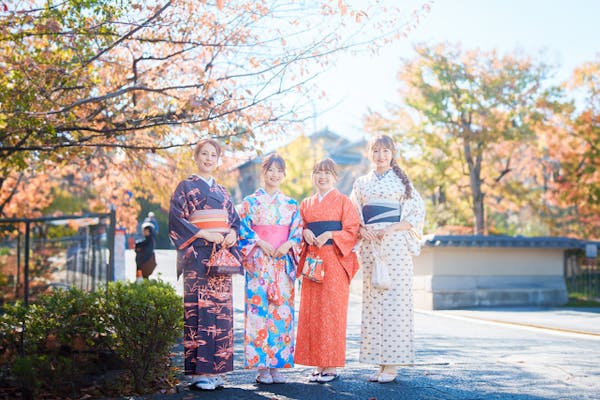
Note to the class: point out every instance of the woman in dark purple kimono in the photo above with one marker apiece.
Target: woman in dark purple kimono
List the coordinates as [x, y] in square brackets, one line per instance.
[202, 214]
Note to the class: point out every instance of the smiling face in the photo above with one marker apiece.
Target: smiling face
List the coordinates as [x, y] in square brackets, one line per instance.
[381, 156]
[324, 175]
[206, 159]
[273, 176]
[324, 180]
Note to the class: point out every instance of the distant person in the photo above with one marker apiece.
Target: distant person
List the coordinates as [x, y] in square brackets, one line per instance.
[270, 236]
[202, 216]
[150, 218]
[330, 231]
[145, 259]
[392, 214]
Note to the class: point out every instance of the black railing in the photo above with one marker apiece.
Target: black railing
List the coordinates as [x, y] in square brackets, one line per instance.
[39, 254]
[582, 275]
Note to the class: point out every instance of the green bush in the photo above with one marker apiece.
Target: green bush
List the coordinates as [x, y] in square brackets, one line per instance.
[146, 320]
[62, 335]
[69, 335]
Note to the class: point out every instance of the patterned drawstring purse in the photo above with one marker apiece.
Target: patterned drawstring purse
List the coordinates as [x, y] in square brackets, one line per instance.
[223, 262]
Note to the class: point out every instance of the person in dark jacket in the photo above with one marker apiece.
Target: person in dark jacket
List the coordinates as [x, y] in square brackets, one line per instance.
[145, 259]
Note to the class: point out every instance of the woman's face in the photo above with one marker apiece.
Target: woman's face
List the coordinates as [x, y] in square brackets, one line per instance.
[324, 180]
[381, 157]
[207, 159]
[273, 176]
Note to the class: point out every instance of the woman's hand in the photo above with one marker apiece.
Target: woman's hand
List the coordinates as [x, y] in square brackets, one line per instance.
[323, 237]
[309, 236]
[368, 234]
[213, 237]
[230, 239]
[266, 247]
[398, 226]
[283, 249]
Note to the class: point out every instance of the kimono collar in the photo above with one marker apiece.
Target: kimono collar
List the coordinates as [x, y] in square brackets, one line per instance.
[263, 193]
[208, 181]
[381, 176]
[320, 198]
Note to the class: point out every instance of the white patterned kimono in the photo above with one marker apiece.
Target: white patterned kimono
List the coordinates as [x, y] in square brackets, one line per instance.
[387, 315]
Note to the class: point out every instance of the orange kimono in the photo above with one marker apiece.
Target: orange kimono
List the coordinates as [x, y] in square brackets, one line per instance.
[321, 336]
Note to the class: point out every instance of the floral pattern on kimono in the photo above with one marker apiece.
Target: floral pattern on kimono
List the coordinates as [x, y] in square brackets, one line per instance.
[207, 298]
[269, 325]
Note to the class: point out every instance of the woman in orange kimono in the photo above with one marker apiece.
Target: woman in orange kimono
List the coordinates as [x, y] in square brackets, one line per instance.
[331, 225]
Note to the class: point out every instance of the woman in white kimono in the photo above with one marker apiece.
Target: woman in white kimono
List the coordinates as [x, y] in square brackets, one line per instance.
[392, 214]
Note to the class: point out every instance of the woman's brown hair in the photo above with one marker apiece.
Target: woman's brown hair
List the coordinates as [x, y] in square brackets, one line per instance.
[386, 142]
[326, 164]
[203, 142]
[271, 159]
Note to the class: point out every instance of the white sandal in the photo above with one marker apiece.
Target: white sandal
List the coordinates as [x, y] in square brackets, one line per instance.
[386, 377]
[375, 376]
[277, 376]
[314, 375]
[264, 377]
[203, 383]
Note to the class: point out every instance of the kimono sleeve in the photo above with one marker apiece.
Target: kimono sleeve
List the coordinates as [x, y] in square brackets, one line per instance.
[181, 231]
[247, 236]
[413, 212]
[232, 215]
[356, 198]
[296, 238]
[345, 240]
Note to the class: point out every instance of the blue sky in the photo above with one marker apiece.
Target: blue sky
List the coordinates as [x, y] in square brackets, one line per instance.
[563, 33]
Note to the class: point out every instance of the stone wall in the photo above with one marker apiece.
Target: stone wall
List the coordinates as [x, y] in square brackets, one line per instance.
[463, 277]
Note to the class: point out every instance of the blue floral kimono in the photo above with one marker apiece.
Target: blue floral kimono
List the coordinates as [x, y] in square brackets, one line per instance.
[269, 333]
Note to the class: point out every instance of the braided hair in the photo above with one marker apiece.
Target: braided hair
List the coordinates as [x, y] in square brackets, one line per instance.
[384, 141]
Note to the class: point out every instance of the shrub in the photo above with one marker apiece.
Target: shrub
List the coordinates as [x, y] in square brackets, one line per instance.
[70, 335]
[61, 337]
[146, 320]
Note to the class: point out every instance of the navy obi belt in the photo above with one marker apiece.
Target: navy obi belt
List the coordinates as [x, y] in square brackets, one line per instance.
[319, 227]
[381, 212]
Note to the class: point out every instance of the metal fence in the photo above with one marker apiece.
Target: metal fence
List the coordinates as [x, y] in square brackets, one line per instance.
[40, 254]
[582, 275]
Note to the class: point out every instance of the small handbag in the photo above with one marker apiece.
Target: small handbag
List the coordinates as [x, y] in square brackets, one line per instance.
[313, 267]
[380, 279]
[223, 262]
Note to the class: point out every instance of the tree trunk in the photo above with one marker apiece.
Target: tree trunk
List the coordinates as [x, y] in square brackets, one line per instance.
[477, 195]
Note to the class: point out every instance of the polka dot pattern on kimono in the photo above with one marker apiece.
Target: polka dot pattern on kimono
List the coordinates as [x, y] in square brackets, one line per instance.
[387, 328]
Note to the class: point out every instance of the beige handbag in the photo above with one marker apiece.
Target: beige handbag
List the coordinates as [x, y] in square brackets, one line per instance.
[380, 279]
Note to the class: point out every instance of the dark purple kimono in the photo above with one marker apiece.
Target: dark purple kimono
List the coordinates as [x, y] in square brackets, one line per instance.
[207, 299]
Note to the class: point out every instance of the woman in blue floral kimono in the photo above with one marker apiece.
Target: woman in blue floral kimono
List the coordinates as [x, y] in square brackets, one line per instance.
[202, 215]
[270, 236]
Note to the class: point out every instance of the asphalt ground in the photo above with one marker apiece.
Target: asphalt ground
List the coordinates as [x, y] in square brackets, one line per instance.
[500, 353]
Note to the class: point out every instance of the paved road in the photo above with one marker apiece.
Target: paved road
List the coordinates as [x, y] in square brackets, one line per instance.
[526, 353]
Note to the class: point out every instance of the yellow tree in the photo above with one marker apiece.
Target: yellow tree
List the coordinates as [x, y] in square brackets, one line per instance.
[472, 111]
[300, 156]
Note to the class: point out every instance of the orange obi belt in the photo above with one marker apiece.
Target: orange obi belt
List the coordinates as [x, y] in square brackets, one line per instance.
[213, 219]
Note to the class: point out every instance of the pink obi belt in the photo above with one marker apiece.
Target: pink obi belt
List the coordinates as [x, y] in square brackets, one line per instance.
[213, 219]
[275, 235]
